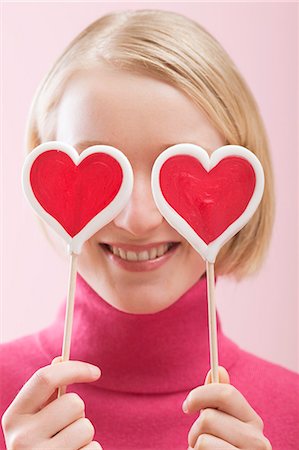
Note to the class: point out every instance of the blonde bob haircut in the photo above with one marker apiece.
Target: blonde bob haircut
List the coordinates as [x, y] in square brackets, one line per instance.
[181, 52]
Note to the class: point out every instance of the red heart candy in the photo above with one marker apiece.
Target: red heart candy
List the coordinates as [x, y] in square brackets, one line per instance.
[208, 201]
[75, 194]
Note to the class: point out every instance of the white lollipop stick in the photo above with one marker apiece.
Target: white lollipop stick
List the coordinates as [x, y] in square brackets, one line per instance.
[69, 314]
[212, 322]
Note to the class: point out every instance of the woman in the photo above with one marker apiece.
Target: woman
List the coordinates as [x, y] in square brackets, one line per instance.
[142, 81]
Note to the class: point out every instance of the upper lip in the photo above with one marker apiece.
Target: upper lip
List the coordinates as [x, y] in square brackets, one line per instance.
[138, 248]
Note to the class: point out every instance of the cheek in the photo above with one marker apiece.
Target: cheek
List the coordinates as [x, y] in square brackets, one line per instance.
[89, 253]
[193, 260]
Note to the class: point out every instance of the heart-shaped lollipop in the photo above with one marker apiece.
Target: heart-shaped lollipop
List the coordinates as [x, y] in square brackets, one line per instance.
[207, 199]
[77, 194]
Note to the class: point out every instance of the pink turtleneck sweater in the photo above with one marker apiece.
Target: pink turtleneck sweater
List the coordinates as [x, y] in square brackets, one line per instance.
[149, 363]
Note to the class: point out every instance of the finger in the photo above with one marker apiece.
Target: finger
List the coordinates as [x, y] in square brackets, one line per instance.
[207, 441]
[223, 376]
[46, 380]
[224, 397]
[75, 436]
[94, 445]
[54, 395]
[63, 411]
[225, 427]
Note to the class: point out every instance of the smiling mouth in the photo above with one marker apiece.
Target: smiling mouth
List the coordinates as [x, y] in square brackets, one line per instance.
[152, 253]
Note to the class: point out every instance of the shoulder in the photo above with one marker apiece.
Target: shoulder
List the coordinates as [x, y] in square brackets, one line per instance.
[273, 391]
[21, 353]
[256, 371]
[19, 359]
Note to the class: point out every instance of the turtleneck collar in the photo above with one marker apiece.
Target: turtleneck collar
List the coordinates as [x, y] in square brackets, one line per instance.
[167, 351]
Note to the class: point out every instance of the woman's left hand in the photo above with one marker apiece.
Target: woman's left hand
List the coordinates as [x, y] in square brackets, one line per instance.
[226, 420]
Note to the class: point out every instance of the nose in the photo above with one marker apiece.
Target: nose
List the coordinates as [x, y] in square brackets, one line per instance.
[140, 217]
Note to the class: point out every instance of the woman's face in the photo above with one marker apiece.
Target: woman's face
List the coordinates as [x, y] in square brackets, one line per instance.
[138, 263]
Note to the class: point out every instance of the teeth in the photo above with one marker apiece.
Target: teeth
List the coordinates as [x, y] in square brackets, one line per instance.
[162, 249]
[141, 256]
[153, 253]
[122, 253]
[132, 256]
[115, 250]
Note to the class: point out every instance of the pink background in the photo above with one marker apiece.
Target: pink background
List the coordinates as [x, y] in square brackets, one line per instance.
[260, 313]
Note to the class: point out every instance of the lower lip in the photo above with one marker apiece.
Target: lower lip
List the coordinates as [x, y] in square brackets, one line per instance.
[140, 266]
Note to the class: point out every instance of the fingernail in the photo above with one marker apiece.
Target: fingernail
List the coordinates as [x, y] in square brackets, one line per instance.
[95, 371]
[185, 406]
[56, 360]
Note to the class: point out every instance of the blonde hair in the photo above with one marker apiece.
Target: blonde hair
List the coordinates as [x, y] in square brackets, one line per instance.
[184, 54]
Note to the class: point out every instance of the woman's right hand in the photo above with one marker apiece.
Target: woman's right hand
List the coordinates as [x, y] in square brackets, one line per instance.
[37, 419]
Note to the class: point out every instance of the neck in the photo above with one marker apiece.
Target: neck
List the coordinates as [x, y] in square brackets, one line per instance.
[146, 353]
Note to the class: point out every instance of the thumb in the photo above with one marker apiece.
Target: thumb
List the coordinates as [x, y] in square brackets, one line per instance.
[223, 376]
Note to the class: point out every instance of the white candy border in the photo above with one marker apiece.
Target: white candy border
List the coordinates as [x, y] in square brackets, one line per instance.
[100, 220]
[207, 251]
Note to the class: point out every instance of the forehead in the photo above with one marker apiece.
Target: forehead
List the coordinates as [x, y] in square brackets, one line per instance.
[130, 111]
